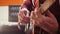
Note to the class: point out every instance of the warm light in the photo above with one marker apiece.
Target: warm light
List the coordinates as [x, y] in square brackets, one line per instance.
[10, 2]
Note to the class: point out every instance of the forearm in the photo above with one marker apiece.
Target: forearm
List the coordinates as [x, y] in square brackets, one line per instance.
[49, 25]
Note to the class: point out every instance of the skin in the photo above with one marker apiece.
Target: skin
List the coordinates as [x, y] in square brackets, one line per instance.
[47, 23]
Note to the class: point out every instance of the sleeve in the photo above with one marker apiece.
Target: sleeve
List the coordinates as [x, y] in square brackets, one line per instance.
[25, 4]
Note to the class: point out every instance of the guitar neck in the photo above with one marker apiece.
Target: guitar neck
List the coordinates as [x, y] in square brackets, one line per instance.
[46, 5]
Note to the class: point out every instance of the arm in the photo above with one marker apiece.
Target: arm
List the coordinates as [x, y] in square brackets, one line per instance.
[50, 23]
[47, 23]
[22, 13]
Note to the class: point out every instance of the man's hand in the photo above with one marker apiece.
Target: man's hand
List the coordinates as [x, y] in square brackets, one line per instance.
[47, 23]
[36, 17]
[23, 17]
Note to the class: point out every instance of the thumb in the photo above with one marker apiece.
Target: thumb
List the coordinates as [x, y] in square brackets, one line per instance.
[25, 11]
[32, 16]
[37, 12]
[19, 26]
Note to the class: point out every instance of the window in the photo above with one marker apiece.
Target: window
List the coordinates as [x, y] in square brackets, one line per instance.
[13, 13]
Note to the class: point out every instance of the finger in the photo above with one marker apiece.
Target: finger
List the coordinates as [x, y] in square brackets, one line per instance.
[19, 25]
[49, 14]
[27, 20]
[36, 22]
[37, 13]
[25, 11]
[21, 15]
[32, 15]
[36, 3]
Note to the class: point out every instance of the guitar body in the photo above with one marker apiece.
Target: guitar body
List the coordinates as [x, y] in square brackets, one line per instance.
[36, 30]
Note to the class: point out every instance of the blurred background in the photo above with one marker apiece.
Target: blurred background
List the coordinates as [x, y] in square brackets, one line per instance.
[8, 15]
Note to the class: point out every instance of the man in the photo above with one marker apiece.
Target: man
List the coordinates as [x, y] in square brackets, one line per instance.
[45, 24]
